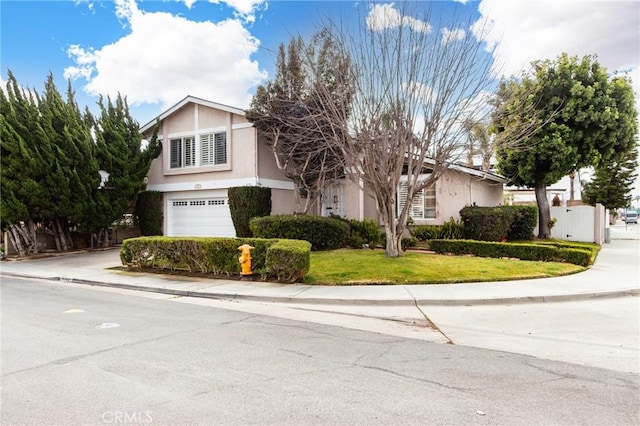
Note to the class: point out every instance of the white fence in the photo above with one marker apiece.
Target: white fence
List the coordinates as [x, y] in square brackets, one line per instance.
[579, 223]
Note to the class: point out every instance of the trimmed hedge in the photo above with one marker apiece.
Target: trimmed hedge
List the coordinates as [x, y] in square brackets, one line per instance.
[486, 223]
[523, 251]
[149, 212]
[246, 202]
[323, 233]
[591, 247]
[289, 261]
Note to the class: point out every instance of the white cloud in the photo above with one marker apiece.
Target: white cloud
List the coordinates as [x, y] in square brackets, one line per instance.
[519, 32]
[384, 16]
[245, 9]
[166, 57]
[421, 91]
[449, 36]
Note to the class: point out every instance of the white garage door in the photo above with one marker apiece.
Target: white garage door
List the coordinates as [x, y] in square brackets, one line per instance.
[200, 217]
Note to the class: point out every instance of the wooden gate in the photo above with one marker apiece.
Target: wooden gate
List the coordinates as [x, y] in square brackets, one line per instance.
[579, 223]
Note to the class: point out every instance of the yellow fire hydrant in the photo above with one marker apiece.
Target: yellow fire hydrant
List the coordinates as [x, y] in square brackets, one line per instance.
[245, 259]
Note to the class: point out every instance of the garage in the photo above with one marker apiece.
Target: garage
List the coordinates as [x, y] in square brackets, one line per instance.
[199, 217]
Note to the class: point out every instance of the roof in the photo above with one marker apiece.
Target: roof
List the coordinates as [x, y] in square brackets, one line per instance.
[479, 173]
[473, 172]
[187, 100]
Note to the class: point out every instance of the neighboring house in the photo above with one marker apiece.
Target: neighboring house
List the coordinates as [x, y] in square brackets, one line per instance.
[458, 187]
[208, 147]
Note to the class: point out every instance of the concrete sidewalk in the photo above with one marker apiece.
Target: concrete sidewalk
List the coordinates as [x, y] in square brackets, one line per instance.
[616, 272]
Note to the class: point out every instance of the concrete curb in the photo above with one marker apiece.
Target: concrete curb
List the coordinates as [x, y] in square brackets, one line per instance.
[412, 301]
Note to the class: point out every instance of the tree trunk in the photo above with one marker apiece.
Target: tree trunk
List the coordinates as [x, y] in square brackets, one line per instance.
[544, 214]
[59, 230]
[26, 239]
[572, 176]
[14, 236]
[31, 226]
[393, 249]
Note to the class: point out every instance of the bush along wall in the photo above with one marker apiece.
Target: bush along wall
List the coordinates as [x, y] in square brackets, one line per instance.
[149, 212]
[246, 202]
[525, 219]
[451, 229]
[324, 233]
[486, 223]
[523, 251]
[362, 233]
[279, 259]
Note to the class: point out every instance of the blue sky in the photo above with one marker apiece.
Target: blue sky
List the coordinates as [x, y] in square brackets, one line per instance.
[157, 52]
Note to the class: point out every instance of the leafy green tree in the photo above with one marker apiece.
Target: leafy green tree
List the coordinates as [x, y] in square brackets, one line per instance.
[567, 115]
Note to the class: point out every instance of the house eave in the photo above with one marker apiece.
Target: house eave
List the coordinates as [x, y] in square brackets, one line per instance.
[186, 100]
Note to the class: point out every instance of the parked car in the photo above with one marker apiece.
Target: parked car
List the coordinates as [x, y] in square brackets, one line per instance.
[630, 216]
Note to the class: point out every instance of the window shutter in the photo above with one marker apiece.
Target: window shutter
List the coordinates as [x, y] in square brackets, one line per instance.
[175, 157]
[220, 148]
[189, 152]
[206, 150]
[417, 205]
[430, 202]
[402, 195]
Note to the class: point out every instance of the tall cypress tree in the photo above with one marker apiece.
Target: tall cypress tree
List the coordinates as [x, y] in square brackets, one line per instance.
[51, 154]
[120, 152]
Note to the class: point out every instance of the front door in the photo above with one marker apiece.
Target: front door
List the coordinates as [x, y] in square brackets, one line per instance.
[333, 200]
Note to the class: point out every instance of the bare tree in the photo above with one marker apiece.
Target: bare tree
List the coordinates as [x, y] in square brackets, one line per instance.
[479, 142]
[288, 115]
[413, 89]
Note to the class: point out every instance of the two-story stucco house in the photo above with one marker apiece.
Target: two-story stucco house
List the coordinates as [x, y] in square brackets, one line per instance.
[209, 147]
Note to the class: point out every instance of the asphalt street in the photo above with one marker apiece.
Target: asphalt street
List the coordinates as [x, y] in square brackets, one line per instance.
[81, 355]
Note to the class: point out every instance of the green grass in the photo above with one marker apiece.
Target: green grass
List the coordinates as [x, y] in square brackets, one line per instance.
[357, 267]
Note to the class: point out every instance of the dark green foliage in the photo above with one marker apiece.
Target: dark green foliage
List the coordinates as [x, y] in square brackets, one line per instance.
[567, 115]
[368, 230]
[525, 219]
[288, 262]
[362, 232]
[323, 233]
[51, 157]
[121, 154]
[246, 202]
[448, 230]
[522, 251]
[150, 212]
[486, 223]
[592, 248]
[425, 232]
[613, 180]
[408, 242]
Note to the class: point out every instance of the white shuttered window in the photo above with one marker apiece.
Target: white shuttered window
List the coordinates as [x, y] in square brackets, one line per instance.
[182, 152]
[213, 149]
[423, 205]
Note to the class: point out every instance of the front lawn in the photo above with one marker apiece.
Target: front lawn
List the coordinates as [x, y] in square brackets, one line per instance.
[356, 267]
